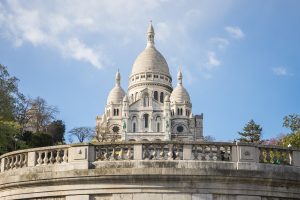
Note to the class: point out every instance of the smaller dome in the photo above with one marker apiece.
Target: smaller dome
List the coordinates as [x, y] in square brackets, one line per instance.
[180, 94]
[117, 94]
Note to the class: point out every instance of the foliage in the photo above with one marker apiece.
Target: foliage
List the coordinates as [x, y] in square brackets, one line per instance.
[292, 122]
[8, 136]
[251, 133]
[82, 133]
[292, 139]
[57, 130]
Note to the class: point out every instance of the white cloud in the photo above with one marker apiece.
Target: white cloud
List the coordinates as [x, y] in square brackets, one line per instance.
[221, 43]
[280, 71]
[213, 61]
[62, 24]
[235, 32]
[80, 51]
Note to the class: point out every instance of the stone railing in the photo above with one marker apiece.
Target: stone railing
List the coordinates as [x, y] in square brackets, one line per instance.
[84, 156]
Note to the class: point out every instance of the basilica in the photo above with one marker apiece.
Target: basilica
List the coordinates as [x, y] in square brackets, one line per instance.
[151, 109]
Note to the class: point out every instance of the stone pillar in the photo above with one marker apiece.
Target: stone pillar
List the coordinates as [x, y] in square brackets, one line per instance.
[244, 153]
[81, 155]
[138, 152]
[296, 158]
[187, 152]
[31, 159]
[78, 197]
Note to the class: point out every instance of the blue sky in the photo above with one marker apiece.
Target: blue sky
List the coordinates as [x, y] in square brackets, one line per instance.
[240, 59]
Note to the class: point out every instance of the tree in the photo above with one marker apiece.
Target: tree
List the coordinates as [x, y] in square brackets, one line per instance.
[40, 115]
[9, 94]
[292, 121]
[82, 133]
[8, 136]
[57, 130]
[251, 132]
[209, 138]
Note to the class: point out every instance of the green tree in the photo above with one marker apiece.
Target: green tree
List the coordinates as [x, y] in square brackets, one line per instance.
[57, 130]
[9, 131]
[292, 122]
[251, 132]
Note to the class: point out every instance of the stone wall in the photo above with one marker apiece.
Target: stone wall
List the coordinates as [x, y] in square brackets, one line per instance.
[160, 171]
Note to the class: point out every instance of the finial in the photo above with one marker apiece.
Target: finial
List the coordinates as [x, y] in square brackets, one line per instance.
[118, 77]
[179, 76]
[150, 35]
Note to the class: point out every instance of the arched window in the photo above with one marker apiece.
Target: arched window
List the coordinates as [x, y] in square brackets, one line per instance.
[134, 124]
[180, 111]
[134, 127]
[114, 112]
[117, 112]
[146, 120]
[158, 122]
[146, 100]
[156, 95]
[161, 97]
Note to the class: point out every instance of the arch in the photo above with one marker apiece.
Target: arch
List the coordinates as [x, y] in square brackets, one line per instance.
[180, 111]
[134, 124]
[156, 95]
[146, 120]
[161, 97]
[158, 124]
[146, 99]
[131, 140]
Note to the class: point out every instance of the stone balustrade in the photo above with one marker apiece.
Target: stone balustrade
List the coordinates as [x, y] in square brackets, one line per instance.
[84, 155]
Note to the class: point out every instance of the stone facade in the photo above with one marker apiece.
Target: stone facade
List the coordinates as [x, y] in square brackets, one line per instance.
[151, 109]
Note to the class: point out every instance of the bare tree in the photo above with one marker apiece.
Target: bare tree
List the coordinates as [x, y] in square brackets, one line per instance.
[40, 114]
[82, 133]
[104, 134]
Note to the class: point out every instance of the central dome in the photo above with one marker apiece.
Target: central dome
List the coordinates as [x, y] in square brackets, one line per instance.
[150, 60]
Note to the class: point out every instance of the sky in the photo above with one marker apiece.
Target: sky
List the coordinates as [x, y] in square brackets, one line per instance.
[240, 58]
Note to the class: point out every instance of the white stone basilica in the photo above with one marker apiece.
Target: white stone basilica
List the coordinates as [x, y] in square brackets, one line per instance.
[151, 109]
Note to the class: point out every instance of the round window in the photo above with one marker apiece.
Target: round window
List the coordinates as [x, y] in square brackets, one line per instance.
[115, 129]
[179, 129]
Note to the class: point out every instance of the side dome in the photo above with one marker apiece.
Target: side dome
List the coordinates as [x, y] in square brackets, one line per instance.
[117, 94]
[180, 94]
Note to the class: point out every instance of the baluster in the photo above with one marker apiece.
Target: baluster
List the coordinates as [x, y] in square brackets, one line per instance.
[146, 152]
[65, 157]
[20, 163]
[7, 164]
[275, 158]
[281, 158]
[289, 157]
[112, 156]
[25, 160]
[12, 162]
[226, 155]
[45, 160]
[261, 155]
[268, 156]
[52, 158]
[195, 152]
[219, 153]
[120, 157]
[162, 152]
[170, 153]
[58, 158]
[129, 153]
[16, 161]
[154, 153]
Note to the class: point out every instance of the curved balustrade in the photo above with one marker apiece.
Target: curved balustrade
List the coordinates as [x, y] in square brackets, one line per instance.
[275, 155]
[71, 155]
